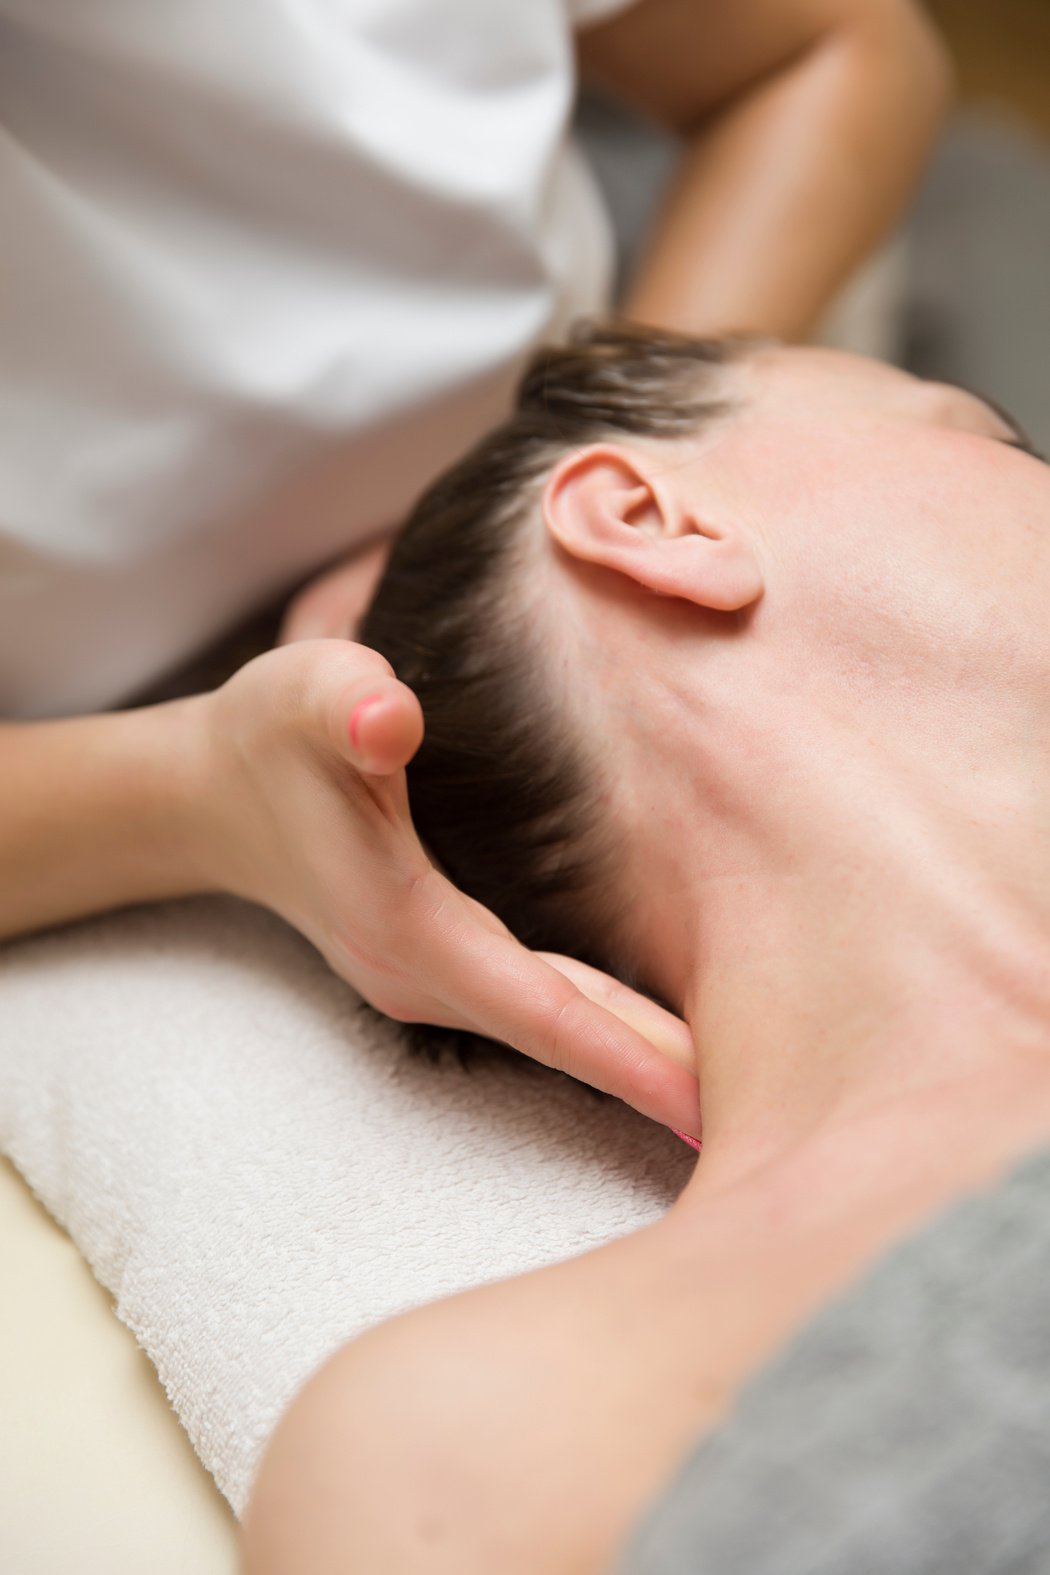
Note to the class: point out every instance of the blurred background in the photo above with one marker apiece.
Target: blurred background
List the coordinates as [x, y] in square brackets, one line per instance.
[964, 293]
[1002, 53]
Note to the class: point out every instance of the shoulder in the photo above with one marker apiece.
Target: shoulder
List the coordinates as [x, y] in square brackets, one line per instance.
[405, 1453]
[496, 1430]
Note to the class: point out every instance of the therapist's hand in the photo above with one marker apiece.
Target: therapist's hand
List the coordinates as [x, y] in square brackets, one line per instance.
[306, 811]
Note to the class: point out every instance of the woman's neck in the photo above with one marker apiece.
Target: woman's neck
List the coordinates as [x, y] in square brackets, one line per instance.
[863, 960]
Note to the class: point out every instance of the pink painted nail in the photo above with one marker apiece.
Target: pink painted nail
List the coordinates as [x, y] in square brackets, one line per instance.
[693, 1142]
[357, 713]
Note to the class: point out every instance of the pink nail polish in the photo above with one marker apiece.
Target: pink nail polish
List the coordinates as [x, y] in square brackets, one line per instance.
[357, 713]
[693, 1142]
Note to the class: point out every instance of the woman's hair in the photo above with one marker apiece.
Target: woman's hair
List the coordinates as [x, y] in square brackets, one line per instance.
[503, 794]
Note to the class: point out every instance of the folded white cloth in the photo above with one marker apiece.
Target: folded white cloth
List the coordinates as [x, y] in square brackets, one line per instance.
[259, 1169]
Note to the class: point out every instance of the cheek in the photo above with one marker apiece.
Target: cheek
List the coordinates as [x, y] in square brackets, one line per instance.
[850, 483]
[863, 520]
[935, 567]
[891, 511]
[979, 511]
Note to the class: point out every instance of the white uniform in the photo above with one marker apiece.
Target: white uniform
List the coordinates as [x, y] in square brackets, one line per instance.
[265, 266]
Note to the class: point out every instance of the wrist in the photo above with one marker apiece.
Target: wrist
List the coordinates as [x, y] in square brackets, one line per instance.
[100, 812]
[174, 782]
[190, 801]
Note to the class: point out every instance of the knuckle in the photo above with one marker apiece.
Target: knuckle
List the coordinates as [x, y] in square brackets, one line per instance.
[320, 675]
[421, 895]
[563, 1031]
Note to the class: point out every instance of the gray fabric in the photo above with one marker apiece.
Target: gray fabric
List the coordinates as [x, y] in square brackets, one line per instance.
[905, 1432]
[980, 269]
[633, 162]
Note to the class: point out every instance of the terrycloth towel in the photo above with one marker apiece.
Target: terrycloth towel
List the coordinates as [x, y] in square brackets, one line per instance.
[258, 1169]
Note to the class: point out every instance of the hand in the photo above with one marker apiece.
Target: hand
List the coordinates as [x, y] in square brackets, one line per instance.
[332, 605]
[305, 809]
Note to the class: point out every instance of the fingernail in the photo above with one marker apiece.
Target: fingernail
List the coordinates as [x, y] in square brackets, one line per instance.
[357, 713]
[693, 1142]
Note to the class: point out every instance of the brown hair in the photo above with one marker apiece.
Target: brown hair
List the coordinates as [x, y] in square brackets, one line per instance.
[502, 793]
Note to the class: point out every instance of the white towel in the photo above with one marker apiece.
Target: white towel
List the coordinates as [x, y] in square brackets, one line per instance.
[258, 1169]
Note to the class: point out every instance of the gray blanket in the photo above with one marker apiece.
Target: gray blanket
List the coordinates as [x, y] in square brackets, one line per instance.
[905, 1432]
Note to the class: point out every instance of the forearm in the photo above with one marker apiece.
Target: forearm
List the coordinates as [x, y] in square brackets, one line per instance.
[97, 812]
[784, 189]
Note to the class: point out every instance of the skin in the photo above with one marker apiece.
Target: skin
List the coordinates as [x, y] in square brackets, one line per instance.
[814, 643]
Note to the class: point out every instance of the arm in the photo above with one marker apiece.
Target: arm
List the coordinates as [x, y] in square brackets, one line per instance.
[806, 122]
[96, 812]
[518, 1428]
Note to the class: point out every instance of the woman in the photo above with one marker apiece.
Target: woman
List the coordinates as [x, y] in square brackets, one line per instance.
[267, 270]
[773, 623]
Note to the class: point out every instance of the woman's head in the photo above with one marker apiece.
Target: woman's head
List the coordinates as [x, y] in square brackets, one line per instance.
[507, 789]
[657, 618]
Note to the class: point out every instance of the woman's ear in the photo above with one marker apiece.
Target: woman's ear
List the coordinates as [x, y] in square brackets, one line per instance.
[639, 517]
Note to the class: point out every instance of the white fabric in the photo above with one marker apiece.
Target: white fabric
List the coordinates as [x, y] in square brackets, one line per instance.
[267, 266]
[257, 1168]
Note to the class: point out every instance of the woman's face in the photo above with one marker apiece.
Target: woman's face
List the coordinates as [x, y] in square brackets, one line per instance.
[897, 532]
[904, 536]
[888, 549]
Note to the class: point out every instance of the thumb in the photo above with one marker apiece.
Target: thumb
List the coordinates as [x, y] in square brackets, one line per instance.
[370, 717]
[383, 727]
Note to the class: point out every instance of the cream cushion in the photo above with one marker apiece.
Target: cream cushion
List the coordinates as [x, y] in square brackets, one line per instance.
[97, 1476]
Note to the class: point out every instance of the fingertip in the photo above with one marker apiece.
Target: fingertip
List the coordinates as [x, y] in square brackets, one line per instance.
[357, 715]
[385, 729]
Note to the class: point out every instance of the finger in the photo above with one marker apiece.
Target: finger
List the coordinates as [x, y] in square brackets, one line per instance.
[513, 995]
[575, 1034]
[384, 728]
[666, 1032]
[332, 605]
[372, 719]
